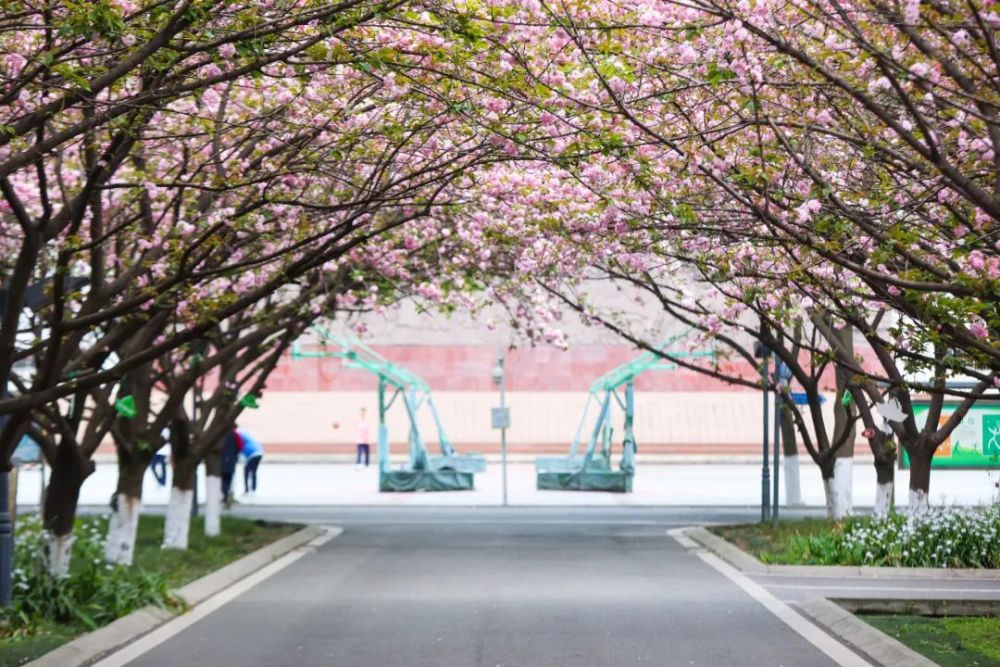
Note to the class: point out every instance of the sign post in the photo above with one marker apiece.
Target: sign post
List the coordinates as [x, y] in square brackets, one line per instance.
[500, 418]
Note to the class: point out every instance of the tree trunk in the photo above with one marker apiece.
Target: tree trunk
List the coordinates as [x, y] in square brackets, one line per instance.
[69, 470]
[843, 430]
[828, 472]
[178, 521]
[885, 473]
[843, 487]
[790, 449]
[920, 478]
[119, 547]
[213, 494]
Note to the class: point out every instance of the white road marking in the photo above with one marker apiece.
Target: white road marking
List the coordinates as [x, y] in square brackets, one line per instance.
[813, 634]
[886, 588]
[685, 541]
[172, 627]
[505, 522]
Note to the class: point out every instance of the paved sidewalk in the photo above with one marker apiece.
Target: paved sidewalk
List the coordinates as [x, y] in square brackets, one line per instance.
[734, 484]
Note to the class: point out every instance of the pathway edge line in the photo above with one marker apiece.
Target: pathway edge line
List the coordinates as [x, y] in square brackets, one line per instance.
[816, 635]
[92, 646]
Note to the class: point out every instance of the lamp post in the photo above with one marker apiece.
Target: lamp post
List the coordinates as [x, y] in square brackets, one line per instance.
[6, 529]
[782, 374]
[763, 352]
[501, 418]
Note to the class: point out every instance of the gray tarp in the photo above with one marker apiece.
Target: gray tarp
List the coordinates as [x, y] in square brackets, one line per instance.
[586, 480]
[425, 480]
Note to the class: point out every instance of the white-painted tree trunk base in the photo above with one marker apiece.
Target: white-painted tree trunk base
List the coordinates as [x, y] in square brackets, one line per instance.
[119, 546]
[830, 497]
[918, 501]
[60, 547]
[793, 488]
[213, 505]
[843, 484]
[178, 521]
[839, 489]
[883, 499]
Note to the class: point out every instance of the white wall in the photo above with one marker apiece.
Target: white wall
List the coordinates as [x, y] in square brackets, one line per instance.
[536, 417]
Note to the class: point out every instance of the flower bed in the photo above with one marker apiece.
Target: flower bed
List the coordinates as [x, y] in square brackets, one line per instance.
[48, 612]
[941, 537]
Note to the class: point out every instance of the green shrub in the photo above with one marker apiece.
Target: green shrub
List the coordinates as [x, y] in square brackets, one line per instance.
[941, 537]
[95, 592]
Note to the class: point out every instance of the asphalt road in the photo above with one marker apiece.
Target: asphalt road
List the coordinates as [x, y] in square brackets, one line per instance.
[493, 588]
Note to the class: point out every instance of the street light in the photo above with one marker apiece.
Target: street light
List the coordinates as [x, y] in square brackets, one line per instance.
[501, 418]
[783, 374]
[763, 352]
[6, 527]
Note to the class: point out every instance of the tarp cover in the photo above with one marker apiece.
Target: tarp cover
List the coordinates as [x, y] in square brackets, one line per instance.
[459, 463]
[586, 480]
[569, 463]
[425, 480]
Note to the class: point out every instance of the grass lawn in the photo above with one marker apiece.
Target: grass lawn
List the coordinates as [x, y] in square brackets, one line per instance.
[956, 641]
[205, 554]
[770, 543]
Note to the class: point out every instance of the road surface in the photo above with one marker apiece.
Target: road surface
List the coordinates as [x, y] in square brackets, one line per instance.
[493, 588]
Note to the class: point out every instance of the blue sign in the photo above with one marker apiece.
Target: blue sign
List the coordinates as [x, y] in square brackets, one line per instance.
[801, 398]
[27, 451]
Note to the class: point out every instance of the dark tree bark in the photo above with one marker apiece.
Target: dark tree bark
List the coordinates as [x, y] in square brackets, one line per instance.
[69, 470]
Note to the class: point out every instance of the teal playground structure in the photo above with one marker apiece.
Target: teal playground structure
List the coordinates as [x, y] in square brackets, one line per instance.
[447, 471]
[593, 471]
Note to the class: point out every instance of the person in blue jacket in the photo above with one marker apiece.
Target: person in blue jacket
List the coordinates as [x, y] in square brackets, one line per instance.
[253, 452]
[232, 444]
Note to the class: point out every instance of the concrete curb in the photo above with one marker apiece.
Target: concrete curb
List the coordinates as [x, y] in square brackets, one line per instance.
[198, 590]
[926, 607]
[746, 563]
[857, 634]
[727, 551]
[94, 645]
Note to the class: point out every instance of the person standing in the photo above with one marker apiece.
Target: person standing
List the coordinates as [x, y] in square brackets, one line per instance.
[253, 452]
[363, 441]
[231, 447]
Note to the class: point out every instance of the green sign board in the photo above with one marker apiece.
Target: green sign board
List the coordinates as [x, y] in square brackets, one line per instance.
[975, 442]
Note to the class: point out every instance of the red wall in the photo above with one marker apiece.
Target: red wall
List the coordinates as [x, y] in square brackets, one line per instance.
[468, 368]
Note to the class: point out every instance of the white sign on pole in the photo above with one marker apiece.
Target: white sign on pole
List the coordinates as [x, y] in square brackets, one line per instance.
[500, 417]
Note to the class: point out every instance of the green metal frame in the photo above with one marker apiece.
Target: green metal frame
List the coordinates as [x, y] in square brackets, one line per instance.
[593, 471]
[448, 471]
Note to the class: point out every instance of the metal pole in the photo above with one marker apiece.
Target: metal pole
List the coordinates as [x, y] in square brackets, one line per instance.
[777, 447]
[6, 529]
[765, 474]
[503, 431]
[195, 412]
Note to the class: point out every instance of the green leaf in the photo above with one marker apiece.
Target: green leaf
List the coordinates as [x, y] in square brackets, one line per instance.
[125, 406]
